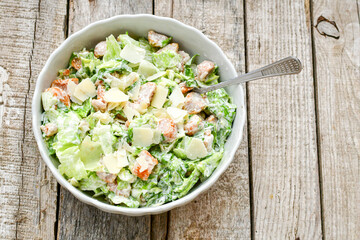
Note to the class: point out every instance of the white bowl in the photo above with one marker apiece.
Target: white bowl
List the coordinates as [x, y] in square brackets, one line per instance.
[191, 40]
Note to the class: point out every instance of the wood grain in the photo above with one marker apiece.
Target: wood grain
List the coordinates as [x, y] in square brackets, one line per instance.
[224, 211]
[282, 127]
[28, 190]
[88, 222]
[338, 88]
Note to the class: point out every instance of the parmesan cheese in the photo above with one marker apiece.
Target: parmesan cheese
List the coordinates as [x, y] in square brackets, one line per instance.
[84, 90]
[132, 53]
[156, 76]
[104, 118]
[114, 162]
[134, 93]
[147, 69]
[177, 98]
[176, 114]
[130, 112]
[143, 137]
[196, 149]
[159, 97]
[114, 95]
[70, 90]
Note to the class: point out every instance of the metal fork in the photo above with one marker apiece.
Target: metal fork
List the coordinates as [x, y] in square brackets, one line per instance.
[286, 66]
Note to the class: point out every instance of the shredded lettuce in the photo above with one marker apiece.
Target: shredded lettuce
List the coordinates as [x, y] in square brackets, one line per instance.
[220, 104]
[90, 151]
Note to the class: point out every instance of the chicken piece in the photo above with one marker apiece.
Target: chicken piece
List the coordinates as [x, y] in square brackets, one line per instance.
[184, 60]
[120, 192]
[100, 92]
[194, 103]
[49, 129]
[184, 89]
[204, 69]
[211, 119]
[106, 177]
[168, 129]
[66, 72]
[208, 140]
[62, 83]
[99, 104]
[60, 94]
[99, 83]
[76, 63]
[194, 125]
[100, 49]
[172, 47]
[146, 93]
[127, 124]
[144, 165]
[156, 39]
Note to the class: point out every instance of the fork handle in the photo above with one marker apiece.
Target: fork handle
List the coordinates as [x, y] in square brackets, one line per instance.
[286, 66]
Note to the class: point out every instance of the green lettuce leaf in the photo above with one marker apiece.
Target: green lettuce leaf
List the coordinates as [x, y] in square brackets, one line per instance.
[90, 153]
[188, 183]
[71, 164]
[103, 134]
[166, 59]
[126, 39]
[92, 183]
[84, 109]
[130, 202]
[114, 65]
[48, 100]
[68, 131]
[112, 49]
[221, 105]
[90, 61]
[208, 165]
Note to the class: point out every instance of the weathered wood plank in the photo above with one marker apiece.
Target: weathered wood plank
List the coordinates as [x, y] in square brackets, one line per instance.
[224, 211]
[159, 226]
[282, 126]
[338, 87]
[28, 190]
[88, 222]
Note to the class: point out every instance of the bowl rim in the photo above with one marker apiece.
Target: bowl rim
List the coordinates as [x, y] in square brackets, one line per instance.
[118, 209]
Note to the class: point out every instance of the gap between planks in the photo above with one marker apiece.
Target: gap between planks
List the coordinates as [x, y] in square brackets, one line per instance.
[316, 106]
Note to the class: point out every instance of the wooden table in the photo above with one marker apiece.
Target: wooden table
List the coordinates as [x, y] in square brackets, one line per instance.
[296, 174]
